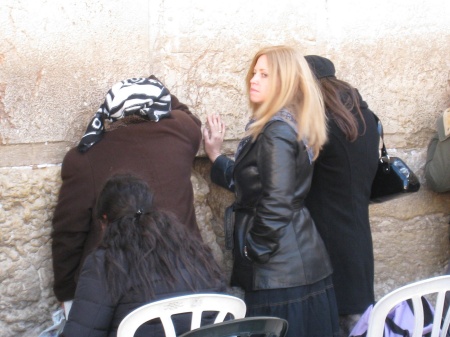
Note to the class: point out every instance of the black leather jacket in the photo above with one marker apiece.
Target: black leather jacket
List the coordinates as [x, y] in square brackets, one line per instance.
[276, 244]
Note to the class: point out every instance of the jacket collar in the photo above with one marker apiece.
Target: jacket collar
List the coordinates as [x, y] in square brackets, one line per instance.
[251, 143]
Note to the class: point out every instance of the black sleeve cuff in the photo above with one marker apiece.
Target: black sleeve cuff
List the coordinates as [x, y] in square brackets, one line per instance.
[222, 172]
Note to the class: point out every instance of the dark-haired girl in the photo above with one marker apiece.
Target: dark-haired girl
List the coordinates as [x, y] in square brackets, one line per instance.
[145, 255]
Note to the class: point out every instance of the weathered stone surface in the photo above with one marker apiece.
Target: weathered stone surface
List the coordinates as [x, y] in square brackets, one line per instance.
[205, 216]
[27, 199]
[408, 250]
[58, 59]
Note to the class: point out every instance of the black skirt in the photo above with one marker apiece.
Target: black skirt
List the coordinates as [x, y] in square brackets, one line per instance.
[310, 310]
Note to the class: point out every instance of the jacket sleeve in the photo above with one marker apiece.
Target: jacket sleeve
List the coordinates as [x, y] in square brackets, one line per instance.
[92, 310]
[437, 167]
[222, 172]
[276, 161]
[71, 222]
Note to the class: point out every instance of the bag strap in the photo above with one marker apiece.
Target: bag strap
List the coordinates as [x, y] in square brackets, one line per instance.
[395, 328]
[384, 155]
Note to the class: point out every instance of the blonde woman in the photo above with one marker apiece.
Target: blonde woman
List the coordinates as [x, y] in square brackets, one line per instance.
[279, 258]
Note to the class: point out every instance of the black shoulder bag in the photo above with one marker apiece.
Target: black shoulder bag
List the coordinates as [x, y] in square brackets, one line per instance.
[393, 178]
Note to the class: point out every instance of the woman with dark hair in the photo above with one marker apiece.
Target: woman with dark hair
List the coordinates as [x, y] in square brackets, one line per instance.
[145, 255]
[340, 191]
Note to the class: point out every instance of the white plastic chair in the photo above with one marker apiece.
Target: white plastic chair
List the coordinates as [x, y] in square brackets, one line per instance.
[413, 291]
[195, 303]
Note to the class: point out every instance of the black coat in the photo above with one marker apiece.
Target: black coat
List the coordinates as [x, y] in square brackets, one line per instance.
[271, 178]
[95, 313]
[339, 204]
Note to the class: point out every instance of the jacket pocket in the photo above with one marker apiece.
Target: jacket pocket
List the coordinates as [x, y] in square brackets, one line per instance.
[243, 221]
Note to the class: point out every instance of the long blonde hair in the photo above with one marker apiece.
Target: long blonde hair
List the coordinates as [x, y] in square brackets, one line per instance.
[292, 86]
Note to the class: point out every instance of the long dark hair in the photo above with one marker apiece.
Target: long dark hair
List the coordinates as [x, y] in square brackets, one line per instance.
[341, 100]
[141, 242]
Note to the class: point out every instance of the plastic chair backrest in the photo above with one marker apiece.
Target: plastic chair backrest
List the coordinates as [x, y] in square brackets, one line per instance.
[413, 291]
[195, 303]
[244, 327]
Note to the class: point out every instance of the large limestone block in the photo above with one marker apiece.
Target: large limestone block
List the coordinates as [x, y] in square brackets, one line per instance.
[27, 199]
[408, 250]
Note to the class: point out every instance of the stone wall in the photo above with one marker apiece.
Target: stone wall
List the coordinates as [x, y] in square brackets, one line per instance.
[58, 59]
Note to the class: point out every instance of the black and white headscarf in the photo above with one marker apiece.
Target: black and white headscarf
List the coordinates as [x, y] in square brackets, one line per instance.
[146, 97]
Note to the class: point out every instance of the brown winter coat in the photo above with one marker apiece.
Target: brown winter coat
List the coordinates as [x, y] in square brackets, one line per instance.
[161, 153]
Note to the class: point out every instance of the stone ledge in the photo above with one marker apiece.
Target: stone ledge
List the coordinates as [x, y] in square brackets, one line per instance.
[33, 154]
[53, 153]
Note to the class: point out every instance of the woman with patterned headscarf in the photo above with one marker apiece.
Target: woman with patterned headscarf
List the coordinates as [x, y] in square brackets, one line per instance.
[142, 129]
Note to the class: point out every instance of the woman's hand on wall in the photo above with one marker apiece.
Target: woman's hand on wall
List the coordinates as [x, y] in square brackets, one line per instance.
[213, 134]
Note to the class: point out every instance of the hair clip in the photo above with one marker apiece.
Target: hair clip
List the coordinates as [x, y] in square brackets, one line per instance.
[138, 214]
